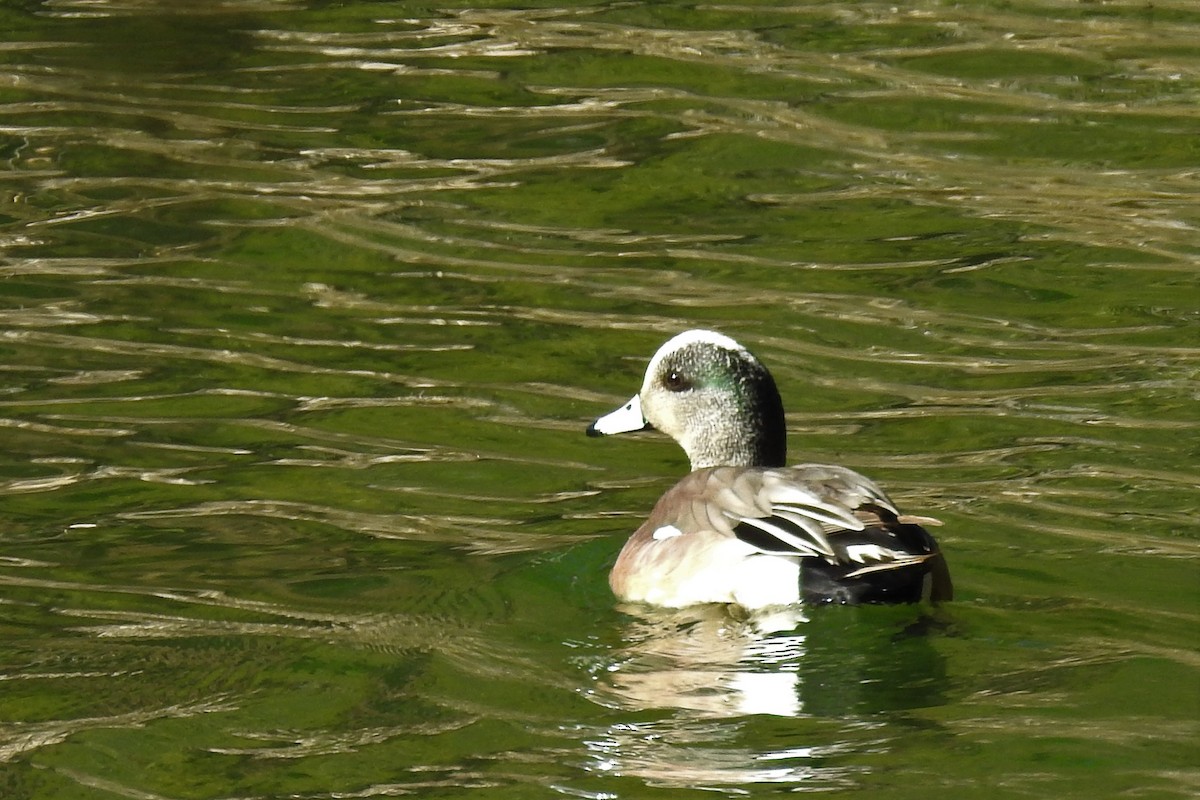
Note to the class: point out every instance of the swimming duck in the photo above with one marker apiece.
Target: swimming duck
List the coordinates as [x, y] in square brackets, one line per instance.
[742, 528]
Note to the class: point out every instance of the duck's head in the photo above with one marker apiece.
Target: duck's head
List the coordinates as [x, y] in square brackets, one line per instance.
[711, 395]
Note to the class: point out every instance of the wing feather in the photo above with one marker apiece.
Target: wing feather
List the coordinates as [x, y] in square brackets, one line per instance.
[802, 540]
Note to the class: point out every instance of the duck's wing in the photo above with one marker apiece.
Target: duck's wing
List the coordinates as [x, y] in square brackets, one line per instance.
[818, 511]
[837, 528]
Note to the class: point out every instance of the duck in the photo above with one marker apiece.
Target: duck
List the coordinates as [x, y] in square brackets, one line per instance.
[743, 528]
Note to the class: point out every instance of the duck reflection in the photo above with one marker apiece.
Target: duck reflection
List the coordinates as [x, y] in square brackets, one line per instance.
[716, 661]
[831, 680]
[706, 659]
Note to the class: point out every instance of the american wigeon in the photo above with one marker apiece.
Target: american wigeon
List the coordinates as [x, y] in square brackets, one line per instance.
[744, 528]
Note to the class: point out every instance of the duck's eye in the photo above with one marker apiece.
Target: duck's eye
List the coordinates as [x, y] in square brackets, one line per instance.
[676, 382]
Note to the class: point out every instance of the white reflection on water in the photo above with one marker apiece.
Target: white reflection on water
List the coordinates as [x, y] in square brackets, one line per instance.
[704, 665]
[18, 738]
[684, 755]
[705, 660]
[711, 697]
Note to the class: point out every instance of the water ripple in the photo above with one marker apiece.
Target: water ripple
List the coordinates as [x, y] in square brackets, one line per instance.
[305, 309]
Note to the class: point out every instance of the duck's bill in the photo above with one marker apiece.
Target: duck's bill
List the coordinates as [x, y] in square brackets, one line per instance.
[625, 419]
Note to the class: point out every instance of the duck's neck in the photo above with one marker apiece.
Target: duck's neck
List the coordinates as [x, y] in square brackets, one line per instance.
[752, 435]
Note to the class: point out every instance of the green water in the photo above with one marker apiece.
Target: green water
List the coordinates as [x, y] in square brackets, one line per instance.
[304, 308]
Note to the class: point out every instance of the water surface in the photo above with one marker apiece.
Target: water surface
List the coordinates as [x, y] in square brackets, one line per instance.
[304, 308]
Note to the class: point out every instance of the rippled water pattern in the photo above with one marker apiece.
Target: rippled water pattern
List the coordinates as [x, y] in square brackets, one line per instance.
[304, 308]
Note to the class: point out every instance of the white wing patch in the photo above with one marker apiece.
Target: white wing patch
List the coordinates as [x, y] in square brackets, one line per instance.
[666, 532]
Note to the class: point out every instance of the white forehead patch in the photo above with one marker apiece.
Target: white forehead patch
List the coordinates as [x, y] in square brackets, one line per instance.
[696, 336]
